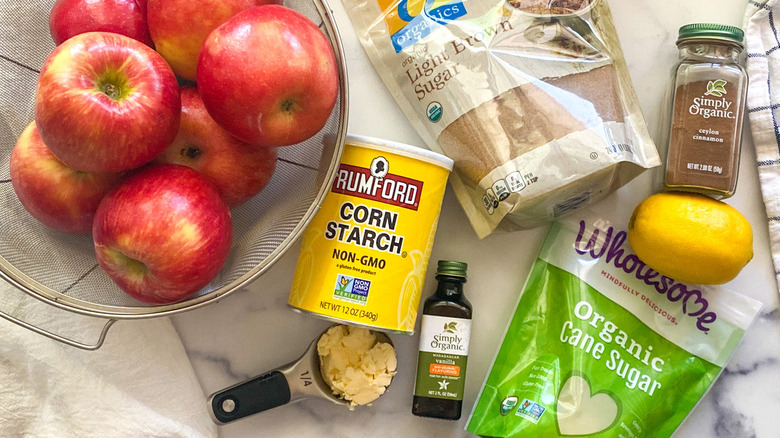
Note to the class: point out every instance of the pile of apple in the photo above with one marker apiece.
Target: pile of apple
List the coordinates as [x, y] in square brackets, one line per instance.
[151, 169]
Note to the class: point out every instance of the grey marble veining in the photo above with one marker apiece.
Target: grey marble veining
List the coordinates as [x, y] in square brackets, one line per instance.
[253, 331]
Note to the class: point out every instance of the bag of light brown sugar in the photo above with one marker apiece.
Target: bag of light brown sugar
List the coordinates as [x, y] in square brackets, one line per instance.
[530, 98]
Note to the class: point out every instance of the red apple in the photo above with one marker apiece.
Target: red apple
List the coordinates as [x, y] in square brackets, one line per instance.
[179, 27]
[106, 103]
[268, 76]
[56, 195]
[72, 17]
[163, 234]
[239, 170]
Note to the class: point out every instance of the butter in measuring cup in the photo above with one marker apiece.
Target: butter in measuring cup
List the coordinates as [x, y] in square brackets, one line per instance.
[346, 365]
[358, 364]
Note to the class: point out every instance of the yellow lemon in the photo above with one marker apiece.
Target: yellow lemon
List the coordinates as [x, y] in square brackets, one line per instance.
[691, 237]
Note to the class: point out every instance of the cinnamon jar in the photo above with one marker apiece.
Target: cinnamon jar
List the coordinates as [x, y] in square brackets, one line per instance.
[709, 91]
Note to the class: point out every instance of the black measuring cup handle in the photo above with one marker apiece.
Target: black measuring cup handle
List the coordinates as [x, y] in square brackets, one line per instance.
[259, 394]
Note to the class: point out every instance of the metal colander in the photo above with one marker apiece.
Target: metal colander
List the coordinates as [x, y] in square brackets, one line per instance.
[61, 269]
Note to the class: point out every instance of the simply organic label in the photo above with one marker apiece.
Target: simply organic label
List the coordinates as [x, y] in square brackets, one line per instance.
[364, 255]
[713, 103]
[441, 364]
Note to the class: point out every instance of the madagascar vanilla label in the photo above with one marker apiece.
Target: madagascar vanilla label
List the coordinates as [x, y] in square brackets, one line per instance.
[441, 362]
[364, 255]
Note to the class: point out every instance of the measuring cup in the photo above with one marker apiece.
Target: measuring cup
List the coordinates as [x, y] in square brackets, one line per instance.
[295, 381]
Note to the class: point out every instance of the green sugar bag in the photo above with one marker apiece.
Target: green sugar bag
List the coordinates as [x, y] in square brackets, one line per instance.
[603, 346]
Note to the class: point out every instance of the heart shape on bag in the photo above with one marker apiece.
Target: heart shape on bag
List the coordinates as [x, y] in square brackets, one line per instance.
[580, 413]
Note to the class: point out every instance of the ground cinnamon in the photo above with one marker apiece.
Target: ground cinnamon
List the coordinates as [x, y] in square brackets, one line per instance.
[707, 113]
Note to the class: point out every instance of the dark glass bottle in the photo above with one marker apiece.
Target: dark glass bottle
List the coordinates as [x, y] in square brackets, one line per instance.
[444, 343]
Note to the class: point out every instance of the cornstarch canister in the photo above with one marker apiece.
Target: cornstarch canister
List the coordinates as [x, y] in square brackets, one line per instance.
[364, 255]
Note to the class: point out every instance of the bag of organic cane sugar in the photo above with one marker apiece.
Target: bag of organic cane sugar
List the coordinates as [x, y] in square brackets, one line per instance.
[602, 345]
[530, 98]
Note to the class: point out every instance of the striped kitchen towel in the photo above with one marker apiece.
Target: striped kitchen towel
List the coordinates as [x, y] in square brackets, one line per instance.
[762, 41]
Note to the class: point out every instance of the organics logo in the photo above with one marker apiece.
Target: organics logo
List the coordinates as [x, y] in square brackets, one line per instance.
[716, 88]
[411, 20]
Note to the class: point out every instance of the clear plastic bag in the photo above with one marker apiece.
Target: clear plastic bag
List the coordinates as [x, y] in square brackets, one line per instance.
[531, 99]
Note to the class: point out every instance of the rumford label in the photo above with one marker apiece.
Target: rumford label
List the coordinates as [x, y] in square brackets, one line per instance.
[386, 188]
[441, 364]
[364, 255]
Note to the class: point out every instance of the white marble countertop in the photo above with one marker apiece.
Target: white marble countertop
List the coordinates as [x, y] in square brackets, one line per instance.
[252, 330]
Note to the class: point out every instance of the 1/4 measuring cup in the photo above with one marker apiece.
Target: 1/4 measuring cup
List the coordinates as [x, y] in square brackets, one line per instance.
[295, 381]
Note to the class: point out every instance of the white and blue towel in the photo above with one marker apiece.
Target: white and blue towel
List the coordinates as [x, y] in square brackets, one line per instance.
[140, 383]
[762, 43]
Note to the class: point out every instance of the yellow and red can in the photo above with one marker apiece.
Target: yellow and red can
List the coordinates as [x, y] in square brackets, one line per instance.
[364, 255]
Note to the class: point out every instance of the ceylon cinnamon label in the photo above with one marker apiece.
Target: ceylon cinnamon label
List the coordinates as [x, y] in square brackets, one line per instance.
[364, 255]
[706, 126]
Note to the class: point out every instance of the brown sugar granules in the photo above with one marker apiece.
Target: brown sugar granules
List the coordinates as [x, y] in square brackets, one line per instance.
[527, 117]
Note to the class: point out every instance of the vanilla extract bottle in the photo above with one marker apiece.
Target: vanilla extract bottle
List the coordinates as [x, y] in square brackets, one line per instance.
[444, 346]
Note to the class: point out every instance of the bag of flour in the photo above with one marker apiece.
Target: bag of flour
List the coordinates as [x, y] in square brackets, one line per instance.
[601, 344]
[530, 98]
